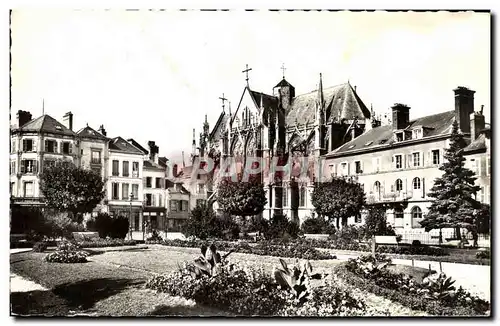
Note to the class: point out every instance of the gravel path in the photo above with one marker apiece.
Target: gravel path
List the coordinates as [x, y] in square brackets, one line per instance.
[20, 284]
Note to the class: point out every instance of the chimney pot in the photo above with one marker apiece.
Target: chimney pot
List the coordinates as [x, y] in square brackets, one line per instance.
[400, 116]
[68, 120]
[476, 125]
[464, 107]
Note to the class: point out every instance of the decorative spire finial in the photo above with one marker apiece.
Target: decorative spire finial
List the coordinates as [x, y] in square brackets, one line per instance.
[223, 100]
[283, 69]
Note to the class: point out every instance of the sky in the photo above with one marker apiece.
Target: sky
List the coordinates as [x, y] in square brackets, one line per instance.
[154, 75]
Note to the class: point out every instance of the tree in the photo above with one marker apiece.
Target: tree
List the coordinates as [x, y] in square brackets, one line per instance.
[115, 227]
[240, 198]
[71, 189]
[338, 199]
[454, 204]
[60, 224]
[202, 223]
[376, 222]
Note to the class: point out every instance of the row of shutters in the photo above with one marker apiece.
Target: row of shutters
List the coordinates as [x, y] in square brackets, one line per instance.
[34, 143]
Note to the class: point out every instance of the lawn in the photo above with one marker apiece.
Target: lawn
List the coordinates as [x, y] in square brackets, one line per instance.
[111, 283]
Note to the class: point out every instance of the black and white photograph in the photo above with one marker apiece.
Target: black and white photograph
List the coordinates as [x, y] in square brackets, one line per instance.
[250, 163]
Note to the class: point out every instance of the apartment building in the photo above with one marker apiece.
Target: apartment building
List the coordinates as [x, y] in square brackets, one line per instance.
[398, 163]
[34, 145]
[124, 186]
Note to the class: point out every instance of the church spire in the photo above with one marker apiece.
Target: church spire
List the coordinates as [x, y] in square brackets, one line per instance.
[194, 143]
[319, 101]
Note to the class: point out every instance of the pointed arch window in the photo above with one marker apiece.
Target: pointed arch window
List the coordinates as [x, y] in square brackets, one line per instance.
[302, 202]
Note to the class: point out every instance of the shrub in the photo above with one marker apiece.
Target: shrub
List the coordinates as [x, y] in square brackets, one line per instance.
[155, 237]
[314, 225]
[59, 224]
[40, 246]
[101, 243]
[279, 226]
[483, 254]
[376, 223]
[416, 243]
[66, 256]
[108, 226]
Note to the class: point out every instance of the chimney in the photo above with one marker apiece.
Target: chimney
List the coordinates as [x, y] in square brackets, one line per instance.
[102, 130]
[153, 151]
[476, 124]
[174, 171]
[400, 116]
[464, 107]
[68, 120]
[22, 118]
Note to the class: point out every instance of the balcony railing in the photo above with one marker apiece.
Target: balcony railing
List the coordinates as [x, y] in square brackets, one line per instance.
[391, 196]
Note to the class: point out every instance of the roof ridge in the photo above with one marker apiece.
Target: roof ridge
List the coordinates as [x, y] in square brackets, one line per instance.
[324, 88]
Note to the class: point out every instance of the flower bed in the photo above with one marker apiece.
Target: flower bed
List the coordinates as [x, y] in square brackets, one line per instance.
[264, 248]
[211, 281]
[66, 256]
[435, 295]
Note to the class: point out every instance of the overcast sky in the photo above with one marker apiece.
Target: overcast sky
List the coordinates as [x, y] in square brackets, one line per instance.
[154, 75]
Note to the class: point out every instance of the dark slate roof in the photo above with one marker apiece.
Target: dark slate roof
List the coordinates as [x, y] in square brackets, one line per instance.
[341, 102]
[479, 143]
[162, 161]
[171, 187]
[215, 134]
[120, 144]
[136, 144]
[282, 83]
[268, 101]
[153, 166]
[381, 137]
[46, 123]
[88, 132]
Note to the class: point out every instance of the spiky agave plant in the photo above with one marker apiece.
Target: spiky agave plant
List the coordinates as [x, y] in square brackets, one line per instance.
[296, 279]
[439, 288]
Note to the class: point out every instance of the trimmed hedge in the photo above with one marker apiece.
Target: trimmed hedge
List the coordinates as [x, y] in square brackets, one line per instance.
[106, 243]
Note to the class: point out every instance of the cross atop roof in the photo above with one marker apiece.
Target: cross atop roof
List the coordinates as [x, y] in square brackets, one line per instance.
[283, 69]
[246, 72]
[223, 100]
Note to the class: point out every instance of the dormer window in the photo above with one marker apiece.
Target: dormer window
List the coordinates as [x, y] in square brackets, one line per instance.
[58, 128]
[417, 133]
[398, 136]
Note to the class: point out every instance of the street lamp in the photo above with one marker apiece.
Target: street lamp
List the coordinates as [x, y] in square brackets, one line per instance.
[131, 196]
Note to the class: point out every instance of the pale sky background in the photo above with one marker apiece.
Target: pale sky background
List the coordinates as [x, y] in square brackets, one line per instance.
[154, 75]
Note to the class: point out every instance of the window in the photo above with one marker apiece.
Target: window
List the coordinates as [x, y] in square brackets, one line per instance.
[27, 145]
[160, 201]
[12, 167]
[201, 188]
[416, 183]
[435, 156]
[302, 201]
[135, 169]
[357, 166]
[185, 205]
[149, 201]
[115, 168]
[67, 148]
[416, 212]
[399, 136]
[376, 188]
[148, 182]
[399, 185]
[125, 193]
[135, 191]
[173, 205]
[158, 183]
[285, 197]
[114, 188]
[50, 146]
[398, 213]
[332, 169]
[28, 166]
[200, 202]
[95, 157]
[357, 218]
[416, 159]
[125, 169]
[417, 133]
[399, 161]
[344, 169]
[12, 185]
[13, 146]
[28, 189]
[376, 164]
[488, 171]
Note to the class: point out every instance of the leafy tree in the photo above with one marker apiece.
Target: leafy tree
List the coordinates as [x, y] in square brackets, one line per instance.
[240, 198]
[338, 199]
[454, 191]
[202, 223]
[71, 189]
[376, 223]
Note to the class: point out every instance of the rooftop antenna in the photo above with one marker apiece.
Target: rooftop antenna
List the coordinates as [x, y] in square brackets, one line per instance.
[43, 106]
